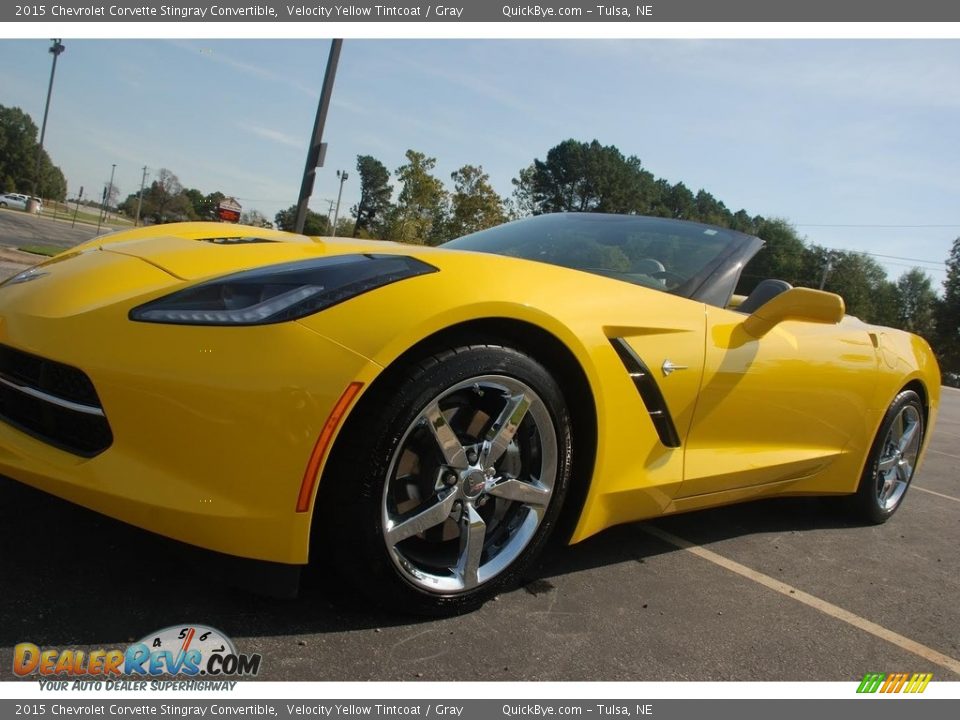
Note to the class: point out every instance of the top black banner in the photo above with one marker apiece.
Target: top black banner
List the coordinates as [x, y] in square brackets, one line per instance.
[644, 11]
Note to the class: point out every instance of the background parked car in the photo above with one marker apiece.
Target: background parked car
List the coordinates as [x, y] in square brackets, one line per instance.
[14, 200]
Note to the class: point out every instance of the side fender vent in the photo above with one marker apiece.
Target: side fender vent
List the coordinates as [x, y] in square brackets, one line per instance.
[649, 391]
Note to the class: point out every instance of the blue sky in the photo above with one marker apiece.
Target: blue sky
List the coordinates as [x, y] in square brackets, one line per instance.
[854, 141]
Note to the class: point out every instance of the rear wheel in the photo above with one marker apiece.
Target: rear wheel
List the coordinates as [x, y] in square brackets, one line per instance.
[445, 490]
[893, 459]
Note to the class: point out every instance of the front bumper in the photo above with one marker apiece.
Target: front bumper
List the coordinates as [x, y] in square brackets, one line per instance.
[212, 427]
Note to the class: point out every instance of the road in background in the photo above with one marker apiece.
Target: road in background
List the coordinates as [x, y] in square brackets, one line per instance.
[19, 229]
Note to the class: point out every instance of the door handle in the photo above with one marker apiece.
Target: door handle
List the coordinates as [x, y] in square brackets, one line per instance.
[669, 366]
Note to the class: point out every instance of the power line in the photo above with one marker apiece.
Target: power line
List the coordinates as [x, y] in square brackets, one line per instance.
[938, 263]
[856, 225]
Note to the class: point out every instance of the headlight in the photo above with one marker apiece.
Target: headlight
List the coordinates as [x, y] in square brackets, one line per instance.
[279, 293]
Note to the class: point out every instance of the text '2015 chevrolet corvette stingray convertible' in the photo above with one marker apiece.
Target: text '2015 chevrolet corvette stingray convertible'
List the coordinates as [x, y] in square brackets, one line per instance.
[418, 420]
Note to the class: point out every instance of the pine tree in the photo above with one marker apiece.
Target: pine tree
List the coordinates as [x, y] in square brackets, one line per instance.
[948, 315]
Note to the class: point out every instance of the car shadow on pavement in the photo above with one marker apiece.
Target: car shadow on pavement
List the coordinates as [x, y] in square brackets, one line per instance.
[69, 576]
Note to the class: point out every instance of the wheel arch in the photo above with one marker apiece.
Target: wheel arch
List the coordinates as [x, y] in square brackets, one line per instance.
[915, 384]
[920, 389]
[526, 337]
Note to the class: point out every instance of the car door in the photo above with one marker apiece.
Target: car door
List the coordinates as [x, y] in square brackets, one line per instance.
[775, 408]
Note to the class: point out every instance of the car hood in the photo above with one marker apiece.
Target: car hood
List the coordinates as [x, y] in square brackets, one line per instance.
[199, 251]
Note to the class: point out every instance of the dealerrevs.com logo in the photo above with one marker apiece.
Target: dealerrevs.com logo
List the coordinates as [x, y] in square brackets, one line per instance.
[191, 650]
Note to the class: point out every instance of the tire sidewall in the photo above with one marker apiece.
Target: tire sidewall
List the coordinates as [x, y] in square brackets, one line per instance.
[371, 445]
[866, 497]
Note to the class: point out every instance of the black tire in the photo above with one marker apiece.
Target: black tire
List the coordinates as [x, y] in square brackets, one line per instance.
[891, 465]
[479, 525]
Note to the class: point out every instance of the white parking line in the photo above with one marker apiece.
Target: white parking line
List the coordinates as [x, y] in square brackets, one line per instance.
[904, 643]
[940, 452]
[934, 492]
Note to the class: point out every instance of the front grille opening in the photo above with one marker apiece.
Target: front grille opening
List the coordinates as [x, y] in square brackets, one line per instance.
[53, 402]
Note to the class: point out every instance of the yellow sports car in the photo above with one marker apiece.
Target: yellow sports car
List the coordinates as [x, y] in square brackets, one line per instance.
[417, 421]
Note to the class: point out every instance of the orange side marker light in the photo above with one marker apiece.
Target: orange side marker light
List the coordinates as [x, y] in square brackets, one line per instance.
[323, 442]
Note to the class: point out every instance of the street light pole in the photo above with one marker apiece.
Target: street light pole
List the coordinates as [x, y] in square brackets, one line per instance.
[55, 49]
[317, 148]
[343, 178]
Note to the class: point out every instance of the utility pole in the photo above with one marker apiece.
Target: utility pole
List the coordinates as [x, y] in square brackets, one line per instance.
[107, 192]
[77, 209]
[143, 181]
[329, 210]
[343, 178]
[826, 270]
[318, 148]
[56, 49]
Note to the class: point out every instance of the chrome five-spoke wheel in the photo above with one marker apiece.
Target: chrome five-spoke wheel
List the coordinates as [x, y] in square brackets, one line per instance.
[469, 483]
[448, 481]
[900, 449]
[893, 459]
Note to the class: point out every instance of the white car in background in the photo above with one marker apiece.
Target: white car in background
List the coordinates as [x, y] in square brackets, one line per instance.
[14, 200]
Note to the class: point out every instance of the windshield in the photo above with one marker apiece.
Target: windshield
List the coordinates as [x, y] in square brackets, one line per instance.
[670, 255]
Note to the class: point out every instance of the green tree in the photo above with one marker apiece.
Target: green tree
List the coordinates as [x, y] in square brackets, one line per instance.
[19, 169]
[916, 303]
[521, 203]
[677, 201]
[855, 277]
[165, 200]
[421, 211]
[315, 224]
[712, 211]
[886, 304]
[203, 207]
[128, 206]
[375, 194]
[18, 149]
[742, 222]
[195, 198]
[590, 177]
[782, 256]
[948, 315]
[474, 204]
[51, 183]
[255, 218]
[111, 192]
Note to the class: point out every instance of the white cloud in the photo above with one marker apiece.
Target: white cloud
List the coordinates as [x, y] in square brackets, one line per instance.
[273, 135]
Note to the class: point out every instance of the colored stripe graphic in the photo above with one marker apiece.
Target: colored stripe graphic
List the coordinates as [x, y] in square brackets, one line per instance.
[894, 682]
[871, 683]
[918, 683]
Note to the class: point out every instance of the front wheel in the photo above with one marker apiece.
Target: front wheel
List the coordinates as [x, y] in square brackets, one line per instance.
[447, 485]
[892, 460]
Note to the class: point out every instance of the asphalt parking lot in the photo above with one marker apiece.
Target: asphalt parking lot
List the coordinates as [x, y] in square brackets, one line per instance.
[773, 590]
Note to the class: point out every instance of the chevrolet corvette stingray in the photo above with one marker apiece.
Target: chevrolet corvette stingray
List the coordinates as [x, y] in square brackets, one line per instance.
[416, 420]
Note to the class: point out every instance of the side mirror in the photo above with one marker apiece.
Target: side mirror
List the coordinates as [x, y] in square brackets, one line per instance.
[801, 304]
